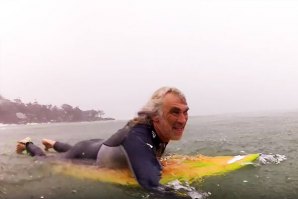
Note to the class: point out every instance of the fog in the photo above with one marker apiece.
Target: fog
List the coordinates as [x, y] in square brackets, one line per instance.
[226, 56]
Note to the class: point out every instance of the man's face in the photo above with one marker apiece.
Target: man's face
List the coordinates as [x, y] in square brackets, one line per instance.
[170, 125]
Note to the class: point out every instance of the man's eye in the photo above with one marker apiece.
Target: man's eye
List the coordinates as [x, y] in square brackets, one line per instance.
[175, 112]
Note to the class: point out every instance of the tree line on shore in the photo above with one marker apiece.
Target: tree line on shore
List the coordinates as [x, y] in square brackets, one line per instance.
[17, 112]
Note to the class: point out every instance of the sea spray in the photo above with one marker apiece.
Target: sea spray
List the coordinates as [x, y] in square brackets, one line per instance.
[185, 188]
[271, 158]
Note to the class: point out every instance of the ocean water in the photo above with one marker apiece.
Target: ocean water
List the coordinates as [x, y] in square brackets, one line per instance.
[268, 133]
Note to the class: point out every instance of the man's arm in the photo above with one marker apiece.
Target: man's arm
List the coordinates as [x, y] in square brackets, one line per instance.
[143, 162]
[147, 168]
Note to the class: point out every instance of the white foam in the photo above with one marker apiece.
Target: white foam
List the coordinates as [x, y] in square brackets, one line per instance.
[187, 189]
[271, 159]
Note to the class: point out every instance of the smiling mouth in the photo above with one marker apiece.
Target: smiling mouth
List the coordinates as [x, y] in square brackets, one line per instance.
[180, 129]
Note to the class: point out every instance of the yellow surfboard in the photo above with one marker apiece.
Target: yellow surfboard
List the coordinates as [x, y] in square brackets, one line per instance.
[183, 168]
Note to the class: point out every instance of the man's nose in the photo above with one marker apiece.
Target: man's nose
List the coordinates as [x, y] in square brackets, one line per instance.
[182, 118]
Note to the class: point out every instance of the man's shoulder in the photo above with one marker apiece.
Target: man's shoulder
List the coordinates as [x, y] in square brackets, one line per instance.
[142, 132]
[141, 129]
[117, 138]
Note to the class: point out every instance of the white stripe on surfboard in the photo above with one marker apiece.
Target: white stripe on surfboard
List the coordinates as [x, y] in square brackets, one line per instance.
[235, 159]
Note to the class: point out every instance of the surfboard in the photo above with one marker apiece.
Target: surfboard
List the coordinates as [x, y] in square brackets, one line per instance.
[175, 167]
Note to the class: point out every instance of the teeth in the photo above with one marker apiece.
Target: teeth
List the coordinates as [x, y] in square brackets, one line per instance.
[178, 128]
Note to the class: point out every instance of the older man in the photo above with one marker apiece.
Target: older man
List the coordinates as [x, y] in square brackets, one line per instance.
[138, 145]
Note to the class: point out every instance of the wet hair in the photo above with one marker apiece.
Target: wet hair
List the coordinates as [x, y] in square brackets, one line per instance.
[153, 106]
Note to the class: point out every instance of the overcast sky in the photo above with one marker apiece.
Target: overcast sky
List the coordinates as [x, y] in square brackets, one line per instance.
[226, 56]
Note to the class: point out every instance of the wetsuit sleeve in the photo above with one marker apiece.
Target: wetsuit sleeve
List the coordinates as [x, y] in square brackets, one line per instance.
[145, 165]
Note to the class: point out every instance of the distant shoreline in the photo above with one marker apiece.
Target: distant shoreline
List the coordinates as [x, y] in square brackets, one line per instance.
[17, 112]
[54, 123]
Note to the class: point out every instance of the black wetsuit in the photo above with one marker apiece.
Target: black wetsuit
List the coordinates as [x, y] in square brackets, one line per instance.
[142, 149]
[137, 147]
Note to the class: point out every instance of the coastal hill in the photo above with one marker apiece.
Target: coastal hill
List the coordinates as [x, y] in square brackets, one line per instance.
[17, 112]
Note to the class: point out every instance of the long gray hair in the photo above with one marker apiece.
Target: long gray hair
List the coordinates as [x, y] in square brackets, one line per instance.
[153, 106]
